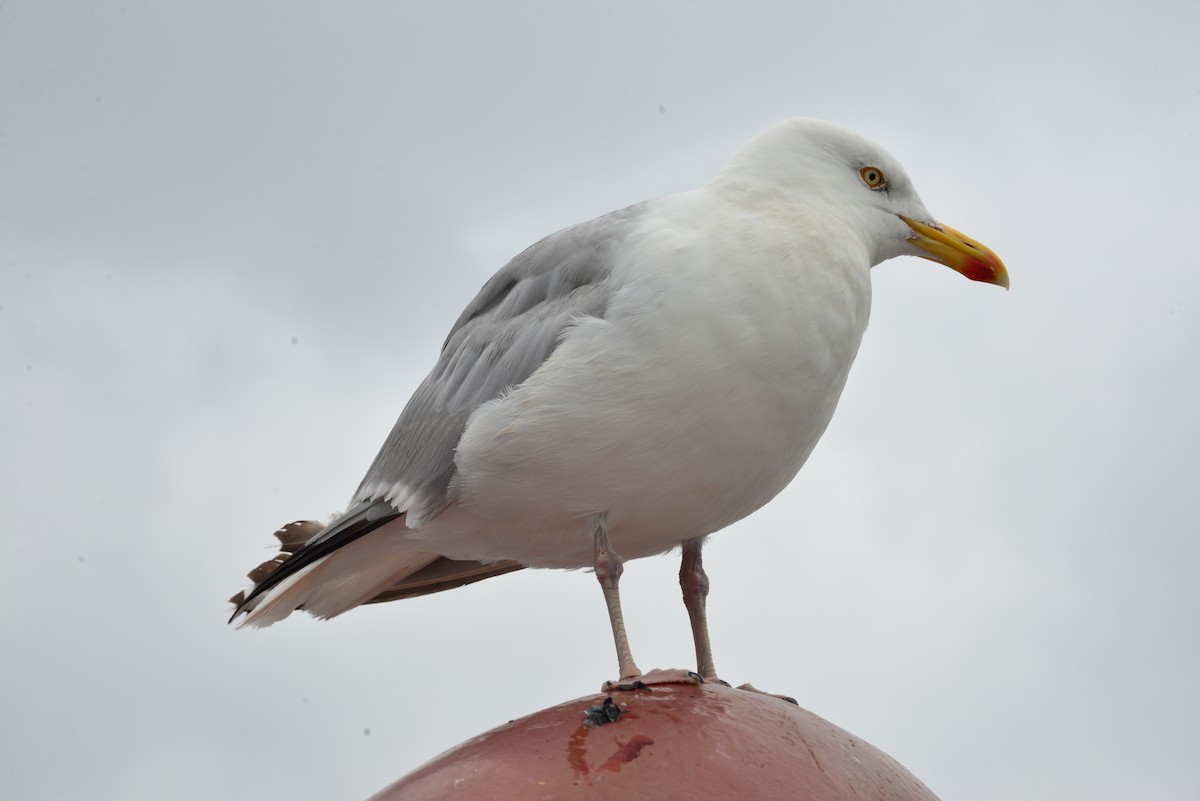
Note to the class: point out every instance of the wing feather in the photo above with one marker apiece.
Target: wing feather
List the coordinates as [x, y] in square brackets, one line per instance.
[511, 327]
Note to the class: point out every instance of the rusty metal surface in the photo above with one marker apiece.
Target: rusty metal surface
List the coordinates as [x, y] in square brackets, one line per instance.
[671, 742]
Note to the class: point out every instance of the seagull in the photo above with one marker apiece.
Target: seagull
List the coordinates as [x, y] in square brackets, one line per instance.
[626, 386]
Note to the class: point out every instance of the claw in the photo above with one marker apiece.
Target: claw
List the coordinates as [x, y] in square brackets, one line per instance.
[647, 680]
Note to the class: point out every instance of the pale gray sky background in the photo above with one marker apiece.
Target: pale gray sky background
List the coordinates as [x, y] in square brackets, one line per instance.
[234, 234]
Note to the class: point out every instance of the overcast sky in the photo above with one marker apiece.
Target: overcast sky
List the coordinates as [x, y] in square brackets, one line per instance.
[234, 234]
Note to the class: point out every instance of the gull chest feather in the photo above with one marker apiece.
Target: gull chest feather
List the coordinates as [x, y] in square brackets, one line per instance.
[691, 404]
[761, 368]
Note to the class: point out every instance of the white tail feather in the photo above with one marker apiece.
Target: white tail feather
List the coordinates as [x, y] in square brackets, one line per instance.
[346, 578]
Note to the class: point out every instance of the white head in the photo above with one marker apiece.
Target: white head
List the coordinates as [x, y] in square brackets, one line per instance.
[813, 163]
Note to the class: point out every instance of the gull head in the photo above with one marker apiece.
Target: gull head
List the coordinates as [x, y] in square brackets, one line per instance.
[828, 170]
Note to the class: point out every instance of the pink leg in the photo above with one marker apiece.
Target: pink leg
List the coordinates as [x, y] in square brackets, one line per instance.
[609, 568]
[608, 571]
[694, 582]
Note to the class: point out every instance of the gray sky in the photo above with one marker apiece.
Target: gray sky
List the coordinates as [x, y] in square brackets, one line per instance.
[233, 236]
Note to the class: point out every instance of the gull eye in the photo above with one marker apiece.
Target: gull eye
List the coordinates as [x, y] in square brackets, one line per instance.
[873, 177]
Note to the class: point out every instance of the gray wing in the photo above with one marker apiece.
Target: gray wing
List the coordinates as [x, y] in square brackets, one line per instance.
[509, 329]
[501, 338]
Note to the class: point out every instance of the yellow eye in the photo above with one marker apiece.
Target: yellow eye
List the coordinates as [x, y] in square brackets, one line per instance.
[873, 177]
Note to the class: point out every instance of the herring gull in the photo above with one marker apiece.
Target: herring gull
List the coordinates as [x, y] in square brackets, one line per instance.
[628, 385]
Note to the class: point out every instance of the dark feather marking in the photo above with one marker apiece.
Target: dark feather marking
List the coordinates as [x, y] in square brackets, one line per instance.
[356, 522]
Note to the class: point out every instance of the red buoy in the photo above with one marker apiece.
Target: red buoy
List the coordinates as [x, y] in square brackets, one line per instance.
[667, 742]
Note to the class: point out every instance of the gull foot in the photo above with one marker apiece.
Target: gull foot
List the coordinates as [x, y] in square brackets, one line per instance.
[646, 680]
[753, 689]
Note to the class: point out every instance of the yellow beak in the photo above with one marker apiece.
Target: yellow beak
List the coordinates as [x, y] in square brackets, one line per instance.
[958, 251]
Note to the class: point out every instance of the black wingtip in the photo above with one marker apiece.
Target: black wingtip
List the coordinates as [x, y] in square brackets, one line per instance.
[359, 520]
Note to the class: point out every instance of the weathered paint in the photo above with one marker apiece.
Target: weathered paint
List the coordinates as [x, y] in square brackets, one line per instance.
[673, 741]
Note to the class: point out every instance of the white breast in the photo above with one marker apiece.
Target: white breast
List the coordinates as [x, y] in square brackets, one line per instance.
[691, 404]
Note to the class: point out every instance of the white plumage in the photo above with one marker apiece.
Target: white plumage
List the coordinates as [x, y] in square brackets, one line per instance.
[644, 379]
